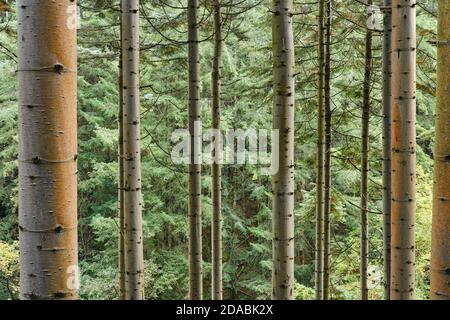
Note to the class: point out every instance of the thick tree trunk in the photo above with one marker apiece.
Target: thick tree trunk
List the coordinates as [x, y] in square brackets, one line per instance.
[440, 261]
[216, 288]
[403, 175]
[122, 287]
[47, 70]
[364, 240]
[195, 189]
[327, 161]
[319, 257]
[283, 180]
[387, 147]
[134, 255]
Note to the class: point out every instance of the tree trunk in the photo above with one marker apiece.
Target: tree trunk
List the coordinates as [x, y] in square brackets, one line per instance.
[327, 161]
[47, 71]
[320, 160]
[387, 147]
[440, 262]
[216, 288]
[234, 171]
[195, 189]
[122, 288]
[134, 255]
[403, 175]
[283, 179]
[364, 240]
[234, 187]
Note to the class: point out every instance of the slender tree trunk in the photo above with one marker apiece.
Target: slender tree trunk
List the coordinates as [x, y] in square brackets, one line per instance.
[234, 170]
[283, 179]
[403, 175]
[134, 254]
[47, 70]
[364, 233]
[216, 287]
[327, 161]
[387, 147]
[216, 169]
[440, 261]
[122, 288]
[320, 160]
[195, 189]
[234, 182]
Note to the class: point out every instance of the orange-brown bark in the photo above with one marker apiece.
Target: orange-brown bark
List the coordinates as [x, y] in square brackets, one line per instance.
[47, 149]
[403, 169]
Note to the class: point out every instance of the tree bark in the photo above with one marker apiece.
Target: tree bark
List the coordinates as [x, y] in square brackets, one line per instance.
[387, 147]
[364, 240]
[283, 179]
[216, 227]
[122, 287]
[327, 161]
[195, 189]
[320, 160]
[134, 254]
[234, 171]
[440, 261]
[47, 71]
[403, 175]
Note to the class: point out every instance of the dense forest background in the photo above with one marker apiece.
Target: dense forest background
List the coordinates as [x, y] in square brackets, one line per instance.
[246, 103]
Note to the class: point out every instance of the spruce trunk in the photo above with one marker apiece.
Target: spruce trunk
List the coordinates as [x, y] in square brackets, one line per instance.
[327, 160]
[387, 148]
[132, 198]
[283, 179]
[195, 189]
[319, 254]
[122, 289]
[364, 224]
[440, 261]
[47, 48]
[216, 226]
[403, 165]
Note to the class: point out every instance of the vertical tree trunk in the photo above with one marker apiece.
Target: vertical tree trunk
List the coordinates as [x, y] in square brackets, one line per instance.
[216, 226]
[283, 180]
[122, 288]
[387, 147]
[234, 171]
[327, 161]
[47, 69]
[440, 261]
[134, 255]
[364, 240]
[320, 160]
[403, 176]
[234, 186]
[195, 189]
